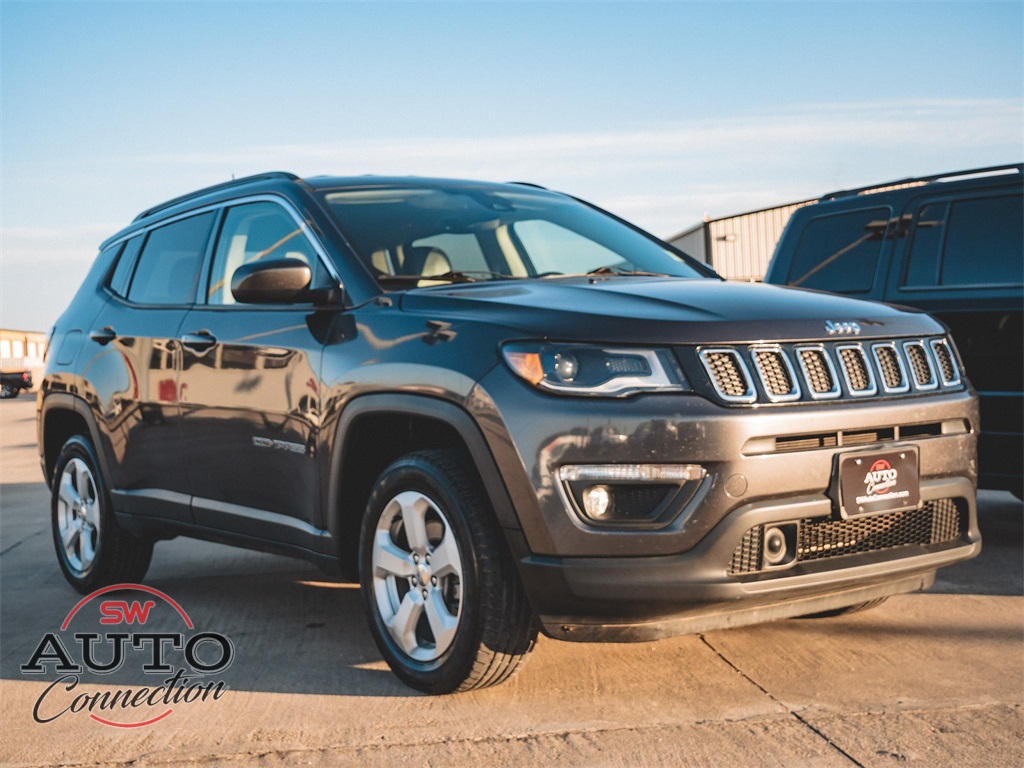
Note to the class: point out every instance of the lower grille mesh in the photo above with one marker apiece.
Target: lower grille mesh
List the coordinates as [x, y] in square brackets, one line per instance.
[937, 522]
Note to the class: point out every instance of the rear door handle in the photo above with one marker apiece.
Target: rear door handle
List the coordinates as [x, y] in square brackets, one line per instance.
[198, 341]
[103, 336]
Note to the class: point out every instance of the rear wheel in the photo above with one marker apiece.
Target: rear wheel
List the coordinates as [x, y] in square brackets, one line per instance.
[92, 549]
[444, 601]
[7, 391]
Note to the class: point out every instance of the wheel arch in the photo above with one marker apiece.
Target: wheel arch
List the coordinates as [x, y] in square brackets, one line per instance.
[61, 416]
[412, 422]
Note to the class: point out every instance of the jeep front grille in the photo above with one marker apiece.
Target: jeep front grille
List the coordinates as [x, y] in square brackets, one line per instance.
[944, 357]
[777, 376]
[818, 372]
[924, 375]
[776, 373]
[856, 370]
[729, 375]
[935, 523]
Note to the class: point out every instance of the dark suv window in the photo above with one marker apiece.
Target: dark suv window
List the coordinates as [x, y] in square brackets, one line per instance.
[839, 253]
[257, 232]
[978, 241]
[170, 262]
[122, 275]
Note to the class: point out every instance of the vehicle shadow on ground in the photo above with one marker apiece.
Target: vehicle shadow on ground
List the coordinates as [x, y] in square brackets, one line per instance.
[297, 630]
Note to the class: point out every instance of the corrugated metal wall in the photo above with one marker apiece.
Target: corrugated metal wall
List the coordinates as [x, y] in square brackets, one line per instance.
[741, 245]
[691, 242]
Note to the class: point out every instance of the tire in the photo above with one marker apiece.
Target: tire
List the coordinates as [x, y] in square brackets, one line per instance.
[458, 623]
[7, 391]
[855, 608]
[93, 551]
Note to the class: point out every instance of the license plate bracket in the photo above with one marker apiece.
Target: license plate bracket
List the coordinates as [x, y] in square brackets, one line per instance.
[874, 482]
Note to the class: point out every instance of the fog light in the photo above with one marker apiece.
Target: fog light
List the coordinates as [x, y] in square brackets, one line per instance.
[780, 545]
[597, 500]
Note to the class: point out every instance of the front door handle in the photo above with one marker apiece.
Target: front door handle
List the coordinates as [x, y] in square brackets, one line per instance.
[199, 341]
[103, 336]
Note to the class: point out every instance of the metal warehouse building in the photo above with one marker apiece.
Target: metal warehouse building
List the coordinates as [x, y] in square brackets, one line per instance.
[738, 247]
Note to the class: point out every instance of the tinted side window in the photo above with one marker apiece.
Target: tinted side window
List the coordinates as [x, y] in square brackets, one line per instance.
[985, 242]
[122, 275]
[839, 253]
[255, 232]
[170, 262]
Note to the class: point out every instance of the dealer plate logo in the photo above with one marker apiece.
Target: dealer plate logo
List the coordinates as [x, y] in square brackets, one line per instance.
[182, 665]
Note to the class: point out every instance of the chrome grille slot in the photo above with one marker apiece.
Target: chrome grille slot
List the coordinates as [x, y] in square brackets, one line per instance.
[920, 364]
[729, 375]
[820, 375]
[947, 365]
[890, 365]
[860, 379]
[776, 374]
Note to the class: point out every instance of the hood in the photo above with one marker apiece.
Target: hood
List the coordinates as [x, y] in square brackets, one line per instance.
[663, 310]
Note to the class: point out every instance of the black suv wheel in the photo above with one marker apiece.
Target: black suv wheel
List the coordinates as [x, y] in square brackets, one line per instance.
[445, 604]
[92, 550]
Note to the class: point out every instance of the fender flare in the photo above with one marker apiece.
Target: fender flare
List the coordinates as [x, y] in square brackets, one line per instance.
[429, 407]
[62, 401]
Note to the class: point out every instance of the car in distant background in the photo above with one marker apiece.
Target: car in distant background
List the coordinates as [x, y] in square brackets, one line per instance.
[951, 245]
[12, 382]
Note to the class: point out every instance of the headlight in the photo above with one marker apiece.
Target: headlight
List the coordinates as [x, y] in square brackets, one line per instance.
[583, 369]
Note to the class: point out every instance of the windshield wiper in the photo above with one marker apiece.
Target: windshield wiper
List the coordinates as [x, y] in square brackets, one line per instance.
[463, 276]
[627, 272]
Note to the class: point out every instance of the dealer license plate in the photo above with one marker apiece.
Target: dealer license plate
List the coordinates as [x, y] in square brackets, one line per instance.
[879, 481]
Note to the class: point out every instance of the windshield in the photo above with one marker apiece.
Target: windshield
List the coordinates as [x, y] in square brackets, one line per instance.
[420, 236]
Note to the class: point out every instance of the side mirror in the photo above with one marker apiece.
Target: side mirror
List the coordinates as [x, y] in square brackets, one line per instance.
[282, 281]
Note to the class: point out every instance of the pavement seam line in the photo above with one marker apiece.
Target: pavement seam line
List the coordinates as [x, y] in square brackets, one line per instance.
[781, 703]
[19, 542]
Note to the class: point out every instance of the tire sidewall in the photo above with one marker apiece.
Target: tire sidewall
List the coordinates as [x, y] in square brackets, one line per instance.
[446, 672]
[78, 447]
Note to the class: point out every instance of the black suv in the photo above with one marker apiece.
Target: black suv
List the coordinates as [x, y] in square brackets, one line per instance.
[502, 410]
[951, 245]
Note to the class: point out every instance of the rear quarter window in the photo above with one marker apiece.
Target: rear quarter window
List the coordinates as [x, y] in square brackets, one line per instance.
[122, 274]
[169, 262]
[839, 252]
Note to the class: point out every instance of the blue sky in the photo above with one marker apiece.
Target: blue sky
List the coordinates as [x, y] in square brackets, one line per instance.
[662, 112]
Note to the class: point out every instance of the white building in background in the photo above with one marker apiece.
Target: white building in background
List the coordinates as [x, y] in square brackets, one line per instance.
[738, 247]
[23, 350]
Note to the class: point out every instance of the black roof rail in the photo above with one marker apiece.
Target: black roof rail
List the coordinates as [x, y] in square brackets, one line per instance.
[1019, 167]
[217, 188]
[528, 184]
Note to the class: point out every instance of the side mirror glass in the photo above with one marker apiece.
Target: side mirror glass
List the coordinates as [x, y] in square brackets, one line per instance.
[282, 281]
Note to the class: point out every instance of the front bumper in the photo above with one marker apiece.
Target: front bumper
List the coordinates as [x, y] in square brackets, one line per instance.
[644, 598]
[595, 583]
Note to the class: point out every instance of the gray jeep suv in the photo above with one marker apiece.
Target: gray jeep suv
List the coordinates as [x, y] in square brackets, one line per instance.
[502, 410]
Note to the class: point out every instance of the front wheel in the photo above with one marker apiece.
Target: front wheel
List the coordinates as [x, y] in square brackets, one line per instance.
[7, 391]
[444, 601]
[92, 549]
